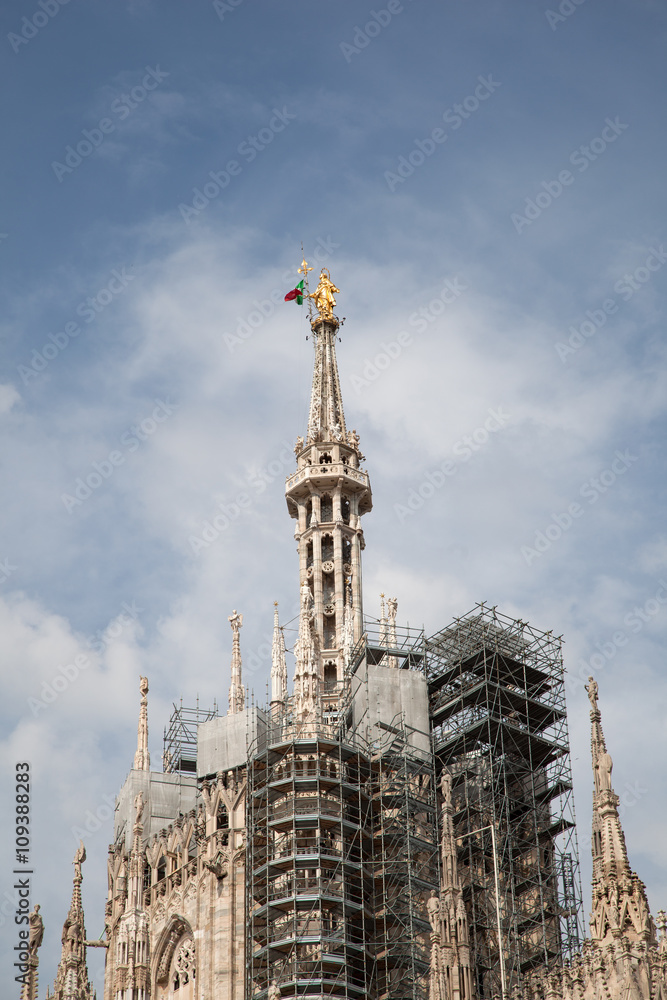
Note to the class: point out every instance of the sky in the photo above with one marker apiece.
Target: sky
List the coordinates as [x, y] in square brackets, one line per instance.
[485, 182]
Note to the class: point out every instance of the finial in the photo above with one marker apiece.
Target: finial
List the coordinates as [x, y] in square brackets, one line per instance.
[304, 269]
[142, 760]
[236, 689]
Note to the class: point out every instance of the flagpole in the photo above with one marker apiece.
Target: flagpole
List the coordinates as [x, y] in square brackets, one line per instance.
[304, 269]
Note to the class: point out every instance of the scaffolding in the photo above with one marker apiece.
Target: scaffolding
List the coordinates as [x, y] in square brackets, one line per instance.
[497, 706]
[405, 855]
[309, 884]
[179, 747]
[405, 864]
[342, 847]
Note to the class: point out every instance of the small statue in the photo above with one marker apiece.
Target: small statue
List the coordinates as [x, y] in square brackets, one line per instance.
[323, 295]
[298, 447]
[36, 930]
[274, 991]
[235, 620]
[592, 688]
[446, 787]
[79, 858]
[139, 807]
[605, 765]
[433, 910]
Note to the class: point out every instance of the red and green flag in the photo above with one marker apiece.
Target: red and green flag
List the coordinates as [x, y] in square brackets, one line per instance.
[296, 293]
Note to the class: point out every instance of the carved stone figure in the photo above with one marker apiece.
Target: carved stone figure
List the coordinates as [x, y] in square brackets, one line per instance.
[235, 620]
[433, 910]
[592, 688]
[139, 806]
[36, 930]
[605, 765]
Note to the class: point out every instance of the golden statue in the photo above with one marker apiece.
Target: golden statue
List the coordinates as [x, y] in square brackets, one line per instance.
[324, 295]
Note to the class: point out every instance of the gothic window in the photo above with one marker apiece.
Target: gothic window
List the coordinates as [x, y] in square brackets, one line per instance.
[328, 593]
[330, 677]
[327, 548]
[326, 508]
[309, 555]
[330, 632]
[347, 551]
[184, 971]
[222, 823]
[345, 509]
[325, 458]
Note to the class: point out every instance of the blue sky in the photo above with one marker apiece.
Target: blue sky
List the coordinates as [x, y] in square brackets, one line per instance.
[507, 255]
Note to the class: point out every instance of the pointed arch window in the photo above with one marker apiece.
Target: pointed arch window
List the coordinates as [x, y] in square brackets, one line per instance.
[326, 508]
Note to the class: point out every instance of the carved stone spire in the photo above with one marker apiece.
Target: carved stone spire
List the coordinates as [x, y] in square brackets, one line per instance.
[383, 622]
[136, 877]
[132, 936]
[306, 674]
[620, 907]
[236, 689]
[142, 760]
[451, 976]
[327, 495]
[72, 976]
[278, 667]
[30, 989]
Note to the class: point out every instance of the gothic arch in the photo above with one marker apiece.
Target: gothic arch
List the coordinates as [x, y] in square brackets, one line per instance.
[176, 933]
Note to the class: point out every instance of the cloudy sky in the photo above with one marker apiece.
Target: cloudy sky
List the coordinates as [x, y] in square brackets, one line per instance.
[485, 181]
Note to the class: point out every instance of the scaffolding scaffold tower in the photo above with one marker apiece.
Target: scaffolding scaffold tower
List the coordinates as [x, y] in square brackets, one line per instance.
[497, 706]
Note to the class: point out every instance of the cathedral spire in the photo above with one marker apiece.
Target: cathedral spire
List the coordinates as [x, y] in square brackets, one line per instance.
[620, 907]
[327, 495]
[72, 976]
[136, 879]
[306, 674]
[327, 420]
[450, 976]
[278, 666]
[236, 689]
[142, 760]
